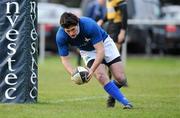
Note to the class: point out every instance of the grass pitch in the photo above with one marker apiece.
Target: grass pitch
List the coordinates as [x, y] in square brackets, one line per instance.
[154, 90]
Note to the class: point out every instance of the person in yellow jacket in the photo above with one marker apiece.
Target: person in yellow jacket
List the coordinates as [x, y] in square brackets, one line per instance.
[117, 25]
[117, 17]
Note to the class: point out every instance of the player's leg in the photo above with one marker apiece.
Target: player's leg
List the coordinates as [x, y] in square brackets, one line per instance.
[109, 86]
[112, 31]
[111, 101]
[119, 75]
[117, 70]
[120, 80]
[112, 56]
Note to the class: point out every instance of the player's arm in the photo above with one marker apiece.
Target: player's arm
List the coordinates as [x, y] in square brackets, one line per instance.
[63, 51]
[66, 62]
[99, 47]
[123, 8]
[103, 18]
[100, 22]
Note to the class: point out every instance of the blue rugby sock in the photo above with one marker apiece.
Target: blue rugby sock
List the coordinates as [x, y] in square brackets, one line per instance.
[113, 90]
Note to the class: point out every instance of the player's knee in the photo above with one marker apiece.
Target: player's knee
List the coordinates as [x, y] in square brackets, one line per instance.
[120, 77]
[121, 83]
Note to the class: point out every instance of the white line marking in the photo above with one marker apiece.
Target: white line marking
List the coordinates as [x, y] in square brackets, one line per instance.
[88, 98]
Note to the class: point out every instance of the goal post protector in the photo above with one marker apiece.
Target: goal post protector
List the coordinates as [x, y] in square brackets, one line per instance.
[18, 51]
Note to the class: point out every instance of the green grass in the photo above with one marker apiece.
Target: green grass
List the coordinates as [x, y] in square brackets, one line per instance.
[154, 89]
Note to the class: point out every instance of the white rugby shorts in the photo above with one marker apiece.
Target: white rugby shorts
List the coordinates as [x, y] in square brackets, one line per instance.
[111, 52]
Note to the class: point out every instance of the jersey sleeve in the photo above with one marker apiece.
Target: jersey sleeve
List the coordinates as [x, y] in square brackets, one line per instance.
[62, 45]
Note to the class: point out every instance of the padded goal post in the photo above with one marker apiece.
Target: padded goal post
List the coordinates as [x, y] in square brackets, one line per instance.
[18, 51]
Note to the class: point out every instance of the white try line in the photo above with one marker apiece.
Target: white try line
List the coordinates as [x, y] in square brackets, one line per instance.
[90, 98]
[85, 98]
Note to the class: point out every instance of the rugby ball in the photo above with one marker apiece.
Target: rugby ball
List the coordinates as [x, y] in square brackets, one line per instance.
[80, 75]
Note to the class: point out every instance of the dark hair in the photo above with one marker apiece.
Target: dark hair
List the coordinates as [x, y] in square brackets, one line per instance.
[68, 19]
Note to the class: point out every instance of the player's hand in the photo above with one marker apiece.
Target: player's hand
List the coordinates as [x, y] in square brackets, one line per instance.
[90, 74]
[100, 22]
[73, 71]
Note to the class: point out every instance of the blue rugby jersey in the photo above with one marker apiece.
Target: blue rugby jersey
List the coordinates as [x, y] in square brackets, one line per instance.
[90, 34]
